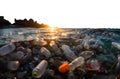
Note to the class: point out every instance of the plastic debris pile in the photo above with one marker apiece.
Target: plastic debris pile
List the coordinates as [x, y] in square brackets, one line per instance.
[80, 58]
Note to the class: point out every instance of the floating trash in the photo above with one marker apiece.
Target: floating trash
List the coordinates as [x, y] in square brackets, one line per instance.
[89, 53]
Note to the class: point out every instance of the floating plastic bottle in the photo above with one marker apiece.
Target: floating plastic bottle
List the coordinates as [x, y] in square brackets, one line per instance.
[13, 65]
[55, 48]
[72, 66]
[68, 52]
[94, 65]
[88, 42]
[76, 63]
[45, 52]
[40, 69]
[87, 54]
[7, 49]
[39, 41]
[117, 45]
[17, 56]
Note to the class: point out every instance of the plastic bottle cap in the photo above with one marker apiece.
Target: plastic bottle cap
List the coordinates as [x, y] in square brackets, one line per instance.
[64, 67]
[34, 73]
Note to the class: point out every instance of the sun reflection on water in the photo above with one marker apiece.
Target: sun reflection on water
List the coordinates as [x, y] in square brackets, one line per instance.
[52, 29]
[48, 33]
[54, 32]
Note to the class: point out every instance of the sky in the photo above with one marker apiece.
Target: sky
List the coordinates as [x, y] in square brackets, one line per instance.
[65, 13]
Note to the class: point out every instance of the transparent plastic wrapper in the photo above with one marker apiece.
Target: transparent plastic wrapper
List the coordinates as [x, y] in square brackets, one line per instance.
[40, 69]
[68, 52]
[13, 65]
[117, 45]
[45, 52]
[4, 50]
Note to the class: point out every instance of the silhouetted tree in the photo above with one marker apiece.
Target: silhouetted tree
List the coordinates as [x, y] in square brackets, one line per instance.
[29, 23]
[4, 22]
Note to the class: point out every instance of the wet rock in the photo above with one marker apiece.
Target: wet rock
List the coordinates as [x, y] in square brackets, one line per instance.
[35, 51]
[9, 75]
[21, 75]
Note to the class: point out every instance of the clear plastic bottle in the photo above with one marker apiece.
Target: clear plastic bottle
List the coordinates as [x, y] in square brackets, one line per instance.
[55, 48]
[13, 65]
[76, 63]
[87, 54]
[40, 69]
[86, 44]
[39, 41]
[7, 49]
[17, 55]
[94, 65]
[72, 66]
[68, 52]
[45, 52]
[117, 45]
